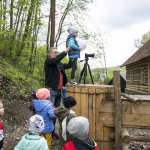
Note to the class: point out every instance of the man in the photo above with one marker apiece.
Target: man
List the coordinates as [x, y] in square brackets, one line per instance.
[55, 77]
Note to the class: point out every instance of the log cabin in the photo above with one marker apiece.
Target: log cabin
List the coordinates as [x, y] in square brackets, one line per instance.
[138, 71]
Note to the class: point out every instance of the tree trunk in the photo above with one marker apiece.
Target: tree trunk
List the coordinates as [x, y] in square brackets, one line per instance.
[27, 26]
[59, 32]
[4, 13]
[48, 33]
[11, 14]
[1, 13]
[52, 23]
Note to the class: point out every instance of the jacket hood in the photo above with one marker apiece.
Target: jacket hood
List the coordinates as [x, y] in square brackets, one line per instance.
[32, 142]
[61, 112]
[41, 104]
[86, 144]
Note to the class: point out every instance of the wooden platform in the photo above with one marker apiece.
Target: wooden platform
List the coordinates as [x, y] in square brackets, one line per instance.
[96, 102]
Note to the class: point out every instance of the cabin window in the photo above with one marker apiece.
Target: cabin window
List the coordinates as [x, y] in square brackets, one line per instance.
[143, 75]
[131, 76]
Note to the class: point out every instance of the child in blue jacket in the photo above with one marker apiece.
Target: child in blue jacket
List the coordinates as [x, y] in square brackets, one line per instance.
[44, 108]
[74, 53]
[32, 140]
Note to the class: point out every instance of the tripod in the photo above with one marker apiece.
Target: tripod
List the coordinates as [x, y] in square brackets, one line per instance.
[84, 70]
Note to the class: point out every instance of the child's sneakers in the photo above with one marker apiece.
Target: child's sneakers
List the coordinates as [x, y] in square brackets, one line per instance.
[74, 82]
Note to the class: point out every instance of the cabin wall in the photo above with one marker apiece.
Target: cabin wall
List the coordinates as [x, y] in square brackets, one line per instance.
[137, 87]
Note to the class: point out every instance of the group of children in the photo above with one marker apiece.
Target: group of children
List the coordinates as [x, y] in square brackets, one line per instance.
[72, 129]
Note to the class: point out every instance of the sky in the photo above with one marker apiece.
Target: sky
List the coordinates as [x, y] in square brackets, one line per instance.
[122, 21]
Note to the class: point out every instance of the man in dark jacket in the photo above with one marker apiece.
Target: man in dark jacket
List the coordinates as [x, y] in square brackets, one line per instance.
[55, 77]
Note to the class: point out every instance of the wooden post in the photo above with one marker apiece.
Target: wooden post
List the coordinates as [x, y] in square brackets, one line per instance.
[117, 92]
[52, 23]
[149, 75]
[132, 99]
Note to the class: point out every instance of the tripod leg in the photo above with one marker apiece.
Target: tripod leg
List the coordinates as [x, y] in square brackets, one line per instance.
[90, 73]
[81, 73]
[85, 73]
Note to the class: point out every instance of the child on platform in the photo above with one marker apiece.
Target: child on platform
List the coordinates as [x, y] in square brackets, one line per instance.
[32, 140]
[44, 108]
[74, 53]
[64, 115]
[1, 128]
[78, 127]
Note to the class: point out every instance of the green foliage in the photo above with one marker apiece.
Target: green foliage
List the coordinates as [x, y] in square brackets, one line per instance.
[140, 42]
[23, 66]
[106, 80]
[19, 80]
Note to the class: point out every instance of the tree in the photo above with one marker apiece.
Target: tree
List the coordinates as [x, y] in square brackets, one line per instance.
[140, 42]
[106, 80]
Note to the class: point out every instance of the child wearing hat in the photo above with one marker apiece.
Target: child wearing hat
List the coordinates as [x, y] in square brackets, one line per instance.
[74, 53]
[32, 140]
[64, 115]
[78, 127]
[44, 108]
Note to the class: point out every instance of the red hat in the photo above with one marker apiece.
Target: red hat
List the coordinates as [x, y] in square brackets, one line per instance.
[42, 94]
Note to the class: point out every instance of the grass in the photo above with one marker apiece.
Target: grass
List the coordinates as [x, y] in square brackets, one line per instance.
[17, 80]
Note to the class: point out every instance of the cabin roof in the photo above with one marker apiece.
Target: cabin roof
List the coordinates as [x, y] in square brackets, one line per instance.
[123, 74]
[141, 53]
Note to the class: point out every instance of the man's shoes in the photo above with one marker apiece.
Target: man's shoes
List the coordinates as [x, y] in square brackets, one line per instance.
[74, 82]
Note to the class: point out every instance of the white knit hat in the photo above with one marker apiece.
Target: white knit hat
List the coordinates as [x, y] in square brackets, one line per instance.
[72, 30]
[36, 124]
[78, 127]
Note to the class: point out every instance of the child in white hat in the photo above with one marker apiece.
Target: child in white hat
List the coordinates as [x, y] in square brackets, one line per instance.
[32, 140]
[78, 127]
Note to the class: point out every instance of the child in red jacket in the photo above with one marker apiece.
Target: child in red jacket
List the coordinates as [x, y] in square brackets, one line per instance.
[1, 128]
[78, 127]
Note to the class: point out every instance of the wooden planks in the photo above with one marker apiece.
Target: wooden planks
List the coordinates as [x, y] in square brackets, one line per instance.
[77, 97]
[108, 143]
[92, 116]
[128, 120]
[99, 127]
[148, 75]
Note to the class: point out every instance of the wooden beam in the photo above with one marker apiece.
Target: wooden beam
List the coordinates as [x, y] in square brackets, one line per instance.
[132, 99]
[117, 93]
[140, 138]
[124, 146]
[125, 136]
